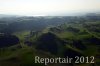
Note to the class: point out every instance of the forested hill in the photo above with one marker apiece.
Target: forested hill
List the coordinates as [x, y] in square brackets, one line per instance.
[10, 24]
[23, 37]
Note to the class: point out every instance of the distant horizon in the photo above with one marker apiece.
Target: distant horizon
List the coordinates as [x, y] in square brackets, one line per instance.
[72, 14]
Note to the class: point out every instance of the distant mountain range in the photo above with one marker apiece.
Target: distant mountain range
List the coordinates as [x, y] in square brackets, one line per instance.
[73, 14]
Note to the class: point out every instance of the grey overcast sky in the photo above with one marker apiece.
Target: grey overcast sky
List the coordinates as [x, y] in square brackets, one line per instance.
[48, 7]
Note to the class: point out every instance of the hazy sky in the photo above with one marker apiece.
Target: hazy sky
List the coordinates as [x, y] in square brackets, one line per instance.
[48, 7]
